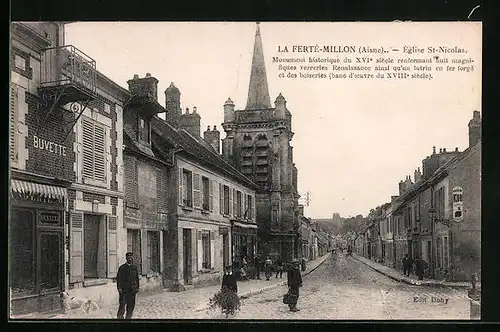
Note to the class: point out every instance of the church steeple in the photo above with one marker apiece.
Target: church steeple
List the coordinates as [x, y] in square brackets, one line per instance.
[258, 91]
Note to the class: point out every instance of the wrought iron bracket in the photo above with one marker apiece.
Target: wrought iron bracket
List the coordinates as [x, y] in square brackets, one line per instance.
[50, 98]
[74, 108]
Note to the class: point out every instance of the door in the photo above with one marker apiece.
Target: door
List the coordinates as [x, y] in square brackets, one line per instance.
[188, 270]
[410, 249]
[225, 250]
[90, 245]
[51, 263]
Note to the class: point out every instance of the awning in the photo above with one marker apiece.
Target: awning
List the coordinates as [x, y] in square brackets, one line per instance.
[38, 192]
[244, 225]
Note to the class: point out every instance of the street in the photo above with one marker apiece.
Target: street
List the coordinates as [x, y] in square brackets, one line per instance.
[342, 288]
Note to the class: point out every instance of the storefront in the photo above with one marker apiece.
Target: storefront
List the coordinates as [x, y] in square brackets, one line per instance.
[36, 230]
[244, 242]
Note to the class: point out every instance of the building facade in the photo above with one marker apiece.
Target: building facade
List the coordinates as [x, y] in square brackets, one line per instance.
[65, 159]
[257, 143]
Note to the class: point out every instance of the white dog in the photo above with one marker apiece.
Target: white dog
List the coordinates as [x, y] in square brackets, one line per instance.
[84, 304]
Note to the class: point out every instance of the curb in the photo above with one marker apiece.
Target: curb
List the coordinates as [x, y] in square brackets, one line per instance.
[265, 289]
[410, 282]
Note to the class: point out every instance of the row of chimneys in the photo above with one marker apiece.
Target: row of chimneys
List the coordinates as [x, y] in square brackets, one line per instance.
[148, 86]
[436, 160]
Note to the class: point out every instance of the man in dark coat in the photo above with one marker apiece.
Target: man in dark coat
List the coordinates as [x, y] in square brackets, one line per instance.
[279, 268]
[406, 271]
[229, 280]
[294, 283]
[420, 266]
[127, 282]
[258, 266]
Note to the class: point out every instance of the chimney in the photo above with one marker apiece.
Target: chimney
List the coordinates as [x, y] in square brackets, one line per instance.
[190, 122]
[433, 150]
[213, 137]
[417, 175]
[401, 188]
[173, 105]
[440, 150]
[456, 149]
[444, 150]
[147, 86]
[475, 129]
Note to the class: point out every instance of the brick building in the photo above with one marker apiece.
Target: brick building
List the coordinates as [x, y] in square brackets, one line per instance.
[65, 154]
[257, 143]
[180, 188]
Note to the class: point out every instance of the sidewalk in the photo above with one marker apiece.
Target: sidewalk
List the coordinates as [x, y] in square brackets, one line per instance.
[412, 280]
[178, 303]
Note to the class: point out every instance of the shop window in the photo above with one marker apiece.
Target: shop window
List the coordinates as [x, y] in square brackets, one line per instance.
[94, 235]
[22, 272]
[94, 150]
[205, 245]
[134, 246]
[50, 261]
[153, 254]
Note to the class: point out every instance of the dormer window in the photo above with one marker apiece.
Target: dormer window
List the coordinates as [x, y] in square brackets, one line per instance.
[144, 131]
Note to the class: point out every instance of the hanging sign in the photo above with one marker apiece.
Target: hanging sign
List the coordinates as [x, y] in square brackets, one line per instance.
[458, 204]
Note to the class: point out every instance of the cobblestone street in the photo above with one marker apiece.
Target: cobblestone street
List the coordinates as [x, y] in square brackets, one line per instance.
[342, 288]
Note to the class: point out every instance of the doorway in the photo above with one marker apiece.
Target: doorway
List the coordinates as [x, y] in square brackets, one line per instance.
[91, 245]
[188, 270]
[225, 250]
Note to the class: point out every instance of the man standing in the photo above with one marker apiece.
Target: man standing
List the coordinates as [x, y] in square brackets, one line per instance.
[405, 266]
[229, 280]
[127, 281]
[257, 266]
[294, 283]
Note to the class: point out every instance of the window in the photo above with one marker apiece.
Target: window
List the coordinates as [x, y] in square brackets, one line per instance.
[19, 62]
[239, 213]
[207, 194]
[153, 251]
[94, 236]
[439, 203]
[94, 150]
[144, 132]
[22, 272]
[205, 245]
[275, 216]
[409, 213]
[187, 193]
[249, 207]
[226, 200]
[134, 246]
[439, 252]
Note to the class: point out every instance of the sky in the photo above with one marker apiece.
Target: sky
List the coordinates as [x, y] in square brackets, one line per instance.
[354, 139]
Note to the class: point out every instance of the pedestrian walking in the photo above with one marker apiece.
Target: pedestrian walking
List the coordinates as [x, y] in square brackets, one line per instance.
[267, 267]
[257, 263]
[420, 266]
[127, 282]
[406, 266]
[294, 281]
[229, 280]
[279, 268]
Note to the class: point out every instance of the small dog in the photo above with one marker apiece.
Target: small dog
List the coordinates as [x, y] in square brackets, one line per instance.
[84, 304]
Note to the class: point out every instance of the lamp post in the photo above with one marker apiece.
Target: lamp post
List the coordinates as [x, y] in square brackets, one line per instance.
[432, 215]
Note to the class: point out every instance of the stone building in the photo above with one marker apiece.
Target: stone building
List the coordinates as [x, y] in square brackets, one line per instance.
[201, 208]
[257, 143]
[439, 214]
[65, 161]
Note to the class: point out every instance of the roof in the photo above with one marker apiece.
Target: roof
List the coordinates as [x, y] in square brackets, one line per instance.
[167, 137]
[439, 174]
[132, 146]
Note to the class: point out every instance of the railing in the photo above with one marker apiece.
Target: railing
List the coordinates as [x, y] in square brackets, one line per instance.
[67, 65]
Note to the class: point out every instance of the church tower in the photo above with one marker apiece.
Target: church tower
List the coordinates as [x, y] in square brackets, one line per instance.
[257, 143]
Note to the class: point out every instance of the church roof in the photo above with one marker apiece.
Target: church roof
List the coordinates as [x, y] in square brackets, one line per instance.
[258, 91]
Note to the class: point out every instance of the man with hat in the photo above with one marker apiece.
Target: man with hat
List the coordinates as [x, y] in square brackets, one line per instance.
[294, 282]
[127, 282]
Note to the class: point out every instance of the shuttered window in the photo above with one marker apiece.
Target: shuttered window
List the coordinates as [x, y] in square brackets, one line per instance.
[197, 190]
[13, 123]
[205, 242]
[207, 194]
[94, 150]
[221, 199]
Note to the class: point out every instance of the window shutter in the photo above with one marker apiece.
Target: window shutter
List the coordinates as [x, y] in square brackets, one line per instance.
[144, 252]
[230, 202]
[100, 169]
[221, 199]
[211, 193]
[13, 123]
[246, 212]
[212, 249]
[76, 247]
[112, 247]
[254, 204]
[200, 250]
[88, 143]
[196, 190]
[181, 192]
[235, 203]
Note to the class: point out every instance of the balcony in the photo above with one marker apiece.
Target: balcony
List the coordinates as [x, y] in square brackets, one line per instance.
[66, 75]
